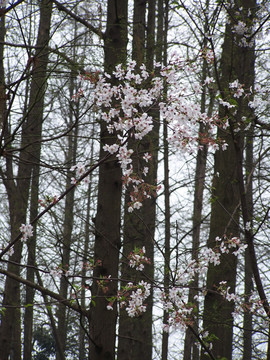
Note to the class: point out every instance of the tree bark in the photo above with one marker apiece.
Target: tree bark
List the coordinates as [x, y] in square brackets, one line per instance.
[237, 63]
[191, 351]
[139, 31]
[107, 242]
[247, 350]
[90, 198]
[68, 225]
[162, 44]
[135, 334]
[18, 190]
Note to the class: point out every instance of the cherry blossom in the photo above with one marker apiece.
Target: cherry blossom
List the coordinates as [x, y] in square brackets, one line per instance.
[175, 300]
[10, 251]
[27, 231]
[226, 103]
[48, 200]
[240, 28]
[136, 304]
[137, 259]
[208, 80]
[80, 170]
[147, 157]
[238, 88]
[124, 107]
[132, 297]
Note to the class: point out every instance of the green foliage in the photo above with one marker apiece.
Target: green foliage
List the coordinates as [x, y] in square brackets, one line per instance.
[44, 344]
[2, 311]
[28, 305]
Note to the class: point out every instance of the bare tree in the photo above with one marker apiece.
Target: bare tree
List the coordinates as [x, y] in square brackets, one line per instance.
[18, 186]
[108, 221]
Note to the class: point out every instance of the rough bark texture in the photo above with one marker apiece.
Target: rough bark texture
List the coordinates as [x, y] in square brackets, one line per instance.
[135, 335]
[191, 351]
[18, 189]
[224, 220]
[107, 222]
[237, 63]
[139, 28]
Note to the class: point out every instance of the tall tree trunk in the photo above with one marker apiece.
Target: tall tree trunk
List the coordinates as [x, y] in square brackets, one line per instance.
[139, 29]
[68, 222]
[18, 190]
[135, 334]
[51, 318]
[247, 351]
[162, 31]
[86, 254]
[107, 243]
[191, 351]
[3, 118]
[31, 261]
[237, 63]
[217, 316]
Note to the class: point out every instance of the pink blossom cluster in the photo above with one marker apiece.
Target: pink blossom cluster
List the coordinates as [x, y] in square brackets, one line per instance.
[87, 265]
[241, 304]
[59, 272]
[103, 283]
[48, 200]
[208, 55]
[132, 297]
[141, 191]
[238, 88]
[136, 305]
[256, 96]
[126, 109]
[78, 95]
[180, 312]
[10, 251]
[229, 243]
[80, 170]
[27, 231]
[175, 300]
[137, 259]
[244, 32]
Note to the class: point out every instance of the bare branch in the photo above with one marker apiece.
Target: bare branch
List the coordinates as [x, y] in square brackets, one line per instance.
[79, 19]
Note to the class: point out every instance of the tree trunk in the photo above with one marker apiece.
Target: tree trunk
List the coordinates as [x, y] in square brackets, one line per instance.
[247, 351]
[217, 318]
[31, 261]
[162, 31]
[68, 223]
[86, 254]
[107, 243]
[135, 334]
[18, 191]
[139, 28]
[237, 63]
[191, 351]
